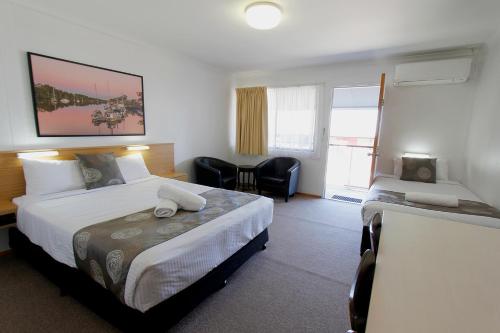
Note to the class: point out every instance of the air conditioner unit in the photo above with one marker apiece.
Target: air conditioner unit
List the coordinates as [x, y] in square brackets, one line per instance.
[433, 72]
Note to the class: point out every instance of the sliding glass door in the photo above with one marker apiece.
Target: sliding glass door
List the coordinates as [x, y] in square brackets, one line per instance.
[353, 141]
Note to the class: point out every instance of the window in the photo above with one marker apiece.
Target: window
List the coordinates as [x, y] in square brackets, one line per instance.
[292, 113]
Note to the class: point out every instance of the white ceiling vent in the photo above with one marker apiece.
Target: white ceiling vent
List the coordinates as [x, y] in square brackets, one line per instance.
[433, 72]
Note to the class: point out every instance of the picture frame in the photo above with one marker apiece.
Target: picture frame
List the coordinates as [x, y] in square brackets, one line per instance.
[73, 99]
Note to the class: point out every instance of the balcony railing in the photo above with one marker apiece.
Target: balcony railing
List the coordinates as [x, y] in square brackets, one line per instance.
[349, 162]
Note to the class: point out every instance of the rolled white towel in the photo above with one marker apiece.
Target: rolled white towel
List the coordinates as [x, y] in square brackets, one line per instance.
[185, 199]
[165, 208]
[432, 199]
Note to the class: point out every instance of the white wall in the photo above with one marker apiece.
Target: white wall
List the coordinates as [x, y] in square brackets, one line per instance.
[186, 102]
[483, 149]
[430, 119]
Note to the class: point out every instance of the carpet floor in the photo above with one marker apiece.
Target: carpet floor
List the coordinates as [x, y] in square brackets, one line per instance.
[299, 284]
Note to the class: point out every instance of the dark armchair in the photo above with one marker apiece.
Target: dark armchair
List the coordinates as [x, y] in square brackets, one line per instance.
[361, 290]
[375, 230]
[215, 173]
[278, 175]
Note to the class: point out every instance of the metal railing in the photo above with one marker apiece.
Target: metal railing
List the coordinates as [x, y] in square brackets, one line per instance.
[350, 182]
[354, 146]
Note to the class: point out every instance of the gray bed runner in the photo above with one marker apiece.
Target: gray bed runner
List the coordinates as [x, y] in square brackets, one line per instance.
[466, 207]
[105, 250]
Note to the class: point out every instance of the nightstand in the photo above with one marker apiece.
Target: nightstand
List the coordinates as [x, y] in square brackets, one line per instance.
[7, 214]
[178, 176]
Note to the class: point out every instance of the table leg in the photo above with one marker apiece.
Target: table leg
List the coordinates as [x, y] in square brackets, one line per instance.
[248, 180]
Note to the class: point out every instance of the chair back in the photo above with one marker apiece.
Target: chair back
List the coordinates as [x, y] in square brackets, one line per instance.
[361, 289]
[215, 172]
[204, 160]
[282, 164]
[375, 230]
[210, 161]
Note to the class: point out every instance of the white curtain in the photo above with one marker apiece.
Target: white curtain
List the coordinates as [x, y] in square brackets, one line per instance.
[293, 113]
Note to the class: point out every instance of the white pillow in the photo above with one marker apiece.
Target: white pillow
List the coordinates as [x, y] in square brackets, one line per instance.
[51, 176]
[398, 167]
[441, 168]
[132, 167]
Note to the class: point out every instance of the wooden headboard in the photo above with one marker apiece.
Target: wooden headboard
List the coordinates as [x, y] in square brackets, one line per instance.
[159, 160]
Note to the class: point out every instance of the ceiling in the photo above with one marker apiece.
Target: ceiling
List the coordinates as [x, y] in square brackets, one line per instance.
[311, 31]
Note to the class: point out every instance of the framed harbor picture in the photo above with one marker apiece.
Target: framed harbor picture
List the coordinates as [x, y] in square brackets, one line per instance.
[74, 99]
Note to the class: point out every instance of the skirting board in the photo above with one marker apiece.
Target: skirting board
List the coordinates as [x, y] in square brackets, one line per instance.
[309, 195]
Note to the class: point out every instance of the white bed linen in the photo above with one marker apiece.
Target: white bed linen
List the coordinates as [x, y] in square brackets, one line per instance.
[391, 183]
[50, 221]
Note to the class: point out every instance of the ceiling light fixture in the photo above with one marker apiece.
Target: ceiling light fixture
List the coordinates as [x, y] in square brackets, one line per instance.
[263, 15]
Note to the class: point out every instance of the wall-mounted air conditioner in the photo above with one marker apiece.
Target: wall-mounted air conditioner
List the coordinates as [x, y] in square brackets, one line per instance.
[433, 72]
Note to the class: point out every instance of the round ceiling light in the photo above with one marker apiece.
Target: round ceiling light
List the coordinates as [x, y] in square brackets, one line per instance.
[263, 15]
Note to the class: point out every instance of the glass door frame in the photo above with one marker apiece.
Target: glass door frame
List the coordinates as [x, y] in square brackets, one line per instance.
[327, 129]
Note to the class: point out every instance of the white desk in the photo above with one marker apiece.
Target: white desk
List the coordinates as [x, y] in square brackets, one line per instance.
[435, 275]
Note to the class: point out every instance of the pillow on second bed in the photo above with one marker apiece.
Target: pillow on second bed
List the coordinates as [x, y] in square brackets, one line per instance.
[419, 169]
[441, 168]
[99, 170]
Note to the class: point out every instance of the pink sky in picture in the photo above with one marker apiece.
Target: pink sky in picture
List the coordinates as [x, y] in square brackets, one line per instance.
[68, 121]
[84, 80]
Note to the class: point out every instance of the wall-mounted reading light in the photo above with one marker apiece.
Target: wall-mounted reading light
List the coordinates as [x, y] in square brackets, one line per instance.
[137, 148]
[37, 154]
[416, 155]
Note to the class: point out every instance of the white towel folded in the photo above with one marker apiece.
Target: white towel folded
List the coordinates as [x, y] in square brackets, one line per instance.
[165, 208]
[432, 199]
[184, 199]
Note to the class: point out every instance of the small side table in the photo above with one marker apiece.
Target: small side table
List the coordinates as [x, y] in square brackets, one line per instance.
[7, 214]
[246, 170]
[178, 176]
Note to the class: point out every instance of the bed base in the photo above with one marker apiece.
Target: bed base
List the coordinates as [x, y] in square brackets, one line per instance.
[159, 318]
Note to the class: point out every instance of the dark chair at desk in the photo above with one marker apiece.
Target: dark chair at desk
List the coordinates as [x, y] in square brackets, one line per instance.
[375, 230]
[278, 175]
[361, 289]
[215, 173]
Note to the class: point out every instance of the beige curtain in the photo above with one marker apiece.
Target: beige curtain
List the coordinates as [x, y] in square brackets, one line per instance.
[251, 121]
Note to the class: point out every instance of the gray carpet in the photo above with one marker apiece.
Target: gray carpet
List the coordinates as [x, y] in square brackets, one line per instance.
[299, 284]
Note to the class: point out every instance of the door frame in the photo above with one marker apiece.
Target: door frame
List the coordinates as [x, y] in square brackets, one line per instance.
[376, 139]
[326, 129]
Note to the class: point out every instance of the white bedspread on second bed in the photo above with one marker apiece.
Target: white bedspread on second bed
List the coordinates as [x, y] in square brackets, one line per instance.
[161, 271]
[391, 183]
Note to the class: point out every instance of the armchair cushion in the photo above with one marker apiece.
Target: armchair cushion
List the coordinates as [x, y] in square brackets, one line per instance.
[272, 180]
[227, 180]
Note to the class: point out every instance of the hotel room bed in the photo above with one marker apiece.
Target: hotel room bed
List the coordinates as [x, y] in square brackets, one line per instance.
[393, 184]
[158, 273]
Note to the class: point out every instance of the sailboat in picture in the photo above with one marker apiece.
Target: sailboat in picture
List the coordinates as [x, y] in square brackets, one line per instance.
[53, 100]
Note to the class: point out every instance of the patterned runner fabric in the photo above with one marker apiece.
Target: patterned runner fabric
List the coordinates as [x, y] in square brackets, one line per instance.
[106, 250]
[466, 207]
